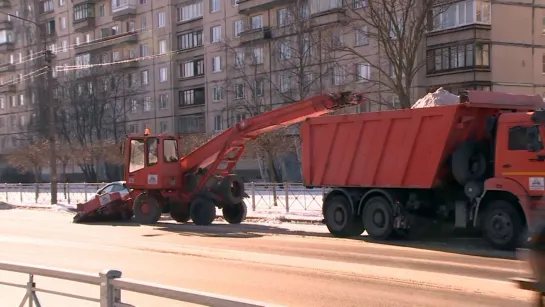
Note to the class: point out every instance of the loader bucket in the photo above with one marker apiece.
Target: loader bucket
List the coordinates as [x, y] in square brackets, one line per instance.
[108, 207]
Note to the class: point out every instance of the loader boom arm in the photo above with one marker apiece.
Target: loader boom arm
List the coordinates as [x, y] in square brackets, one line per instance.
[248, 129]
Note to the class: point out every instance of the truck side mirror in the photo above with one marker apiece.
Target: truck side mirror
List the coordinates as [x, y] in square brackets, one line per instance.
[533, 140]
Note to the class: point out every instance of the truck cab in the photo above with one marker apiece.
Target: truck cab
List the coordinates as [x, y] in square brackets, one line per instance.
[152, 162]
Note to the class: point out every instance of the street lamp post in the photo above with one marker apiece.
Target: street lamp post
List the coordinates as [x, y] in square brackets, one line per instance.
[48, 94]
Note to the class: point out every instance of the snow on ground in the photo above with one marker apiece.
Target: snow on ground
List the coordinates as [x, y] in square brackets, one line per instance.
[440, 97]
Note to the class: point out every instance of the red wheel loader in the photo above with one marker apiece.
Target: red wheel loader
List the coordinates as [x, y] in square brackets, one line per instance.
[193, 186]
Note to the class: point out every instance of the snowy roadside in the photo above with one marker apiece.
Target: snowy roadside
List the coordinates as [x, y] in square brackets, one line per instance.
[260, 215]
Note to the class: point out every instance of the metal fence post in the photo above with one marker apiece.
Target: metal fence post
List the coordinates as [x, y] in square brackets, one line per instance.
[252, 191]
[67, 192]
[108, 294]
[287, 195]
[21, 191]
[6, 189]
[85, 190]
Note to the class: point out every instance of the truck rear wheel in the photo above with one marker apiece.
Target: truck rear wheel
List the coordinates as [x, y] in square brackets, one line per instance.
[502, 225]
[146, 209]
[340, 218]
[378, 218]
[202, 211]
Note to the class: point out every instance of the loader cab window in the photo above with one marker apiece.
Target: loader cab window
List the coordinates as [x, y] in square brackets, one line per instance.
[153, 154]
[136, 155]
[170, 150]
[525, 138]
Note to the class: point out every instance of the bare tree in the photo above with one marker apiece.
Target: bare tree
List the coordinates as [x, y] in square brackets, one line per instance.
[192, 141]
[29, 157]
[380, 44]
[94, 103]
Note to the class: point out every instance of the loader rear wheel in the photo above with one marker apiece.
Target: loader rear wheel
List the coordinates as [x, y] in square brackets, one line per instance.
[179, 212]
[231, 189]
[378, 218]
[235, 214]
[469, 162]
[146, 209]
[202, 211]
[340, 218]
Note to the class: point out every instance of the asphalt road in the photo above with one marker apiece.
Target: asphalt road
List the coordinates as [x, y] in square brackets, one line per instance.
[282, 264]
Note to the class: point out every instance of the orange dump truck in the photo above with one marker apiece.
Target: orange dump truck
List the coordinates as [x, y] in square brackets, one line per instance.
[479, 163]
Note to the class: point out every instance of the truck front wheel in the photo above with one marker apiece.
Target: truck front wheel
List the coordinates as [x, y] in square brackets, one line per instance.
[502, 225]
[340, 218]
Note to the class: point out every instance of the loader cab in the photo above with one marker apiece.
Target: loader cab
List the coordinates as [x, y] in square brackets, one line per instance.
[520, 151]
[152, 162]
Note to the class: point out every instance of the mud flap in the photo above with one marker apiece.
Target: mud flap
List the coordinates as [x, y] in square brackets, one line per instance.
[460, 214]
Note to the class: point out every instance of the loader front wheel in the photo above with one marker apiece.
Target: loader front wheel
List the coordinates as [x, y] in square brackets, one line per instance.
[235, 214]
[146, 209]
[340, 219]
[202, 211]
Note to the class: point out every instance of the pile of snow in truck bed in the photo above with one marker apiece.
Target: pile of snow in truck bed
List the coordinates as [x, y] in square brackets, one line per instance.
[440, 97]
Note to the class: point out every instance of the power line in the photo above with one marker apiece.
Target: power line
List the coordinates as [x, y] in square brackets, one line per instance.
[30, 75]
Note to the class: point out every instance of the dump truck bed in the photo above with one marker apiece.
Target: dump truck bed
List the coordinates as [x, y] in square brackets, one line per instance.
[401, 148]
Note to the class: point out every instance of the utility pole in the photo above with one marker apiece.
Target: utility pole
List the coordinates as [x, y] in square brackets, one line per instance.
[48, 89]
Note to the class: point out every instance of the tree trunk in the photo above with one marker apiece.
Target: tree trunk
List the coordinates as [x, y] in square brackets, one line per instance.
[64, 179]
[37, 180]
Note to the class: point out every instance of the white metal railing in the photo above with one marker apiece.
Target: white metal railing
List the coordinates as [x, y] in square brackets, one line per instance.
[119, 5]
[263, 197]
[111, 284]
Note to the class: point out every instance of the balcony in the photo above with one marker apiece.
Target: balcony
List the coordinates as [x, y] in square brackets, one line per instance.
[5, 4]
[8, 88]
[76, 2]
[248, 7]
[255, 35]
[7, 46]
[84, 24]
[127, 65]
[329, 17]
[7, 67]
[6, 25]
[108, 42]
[126, 9]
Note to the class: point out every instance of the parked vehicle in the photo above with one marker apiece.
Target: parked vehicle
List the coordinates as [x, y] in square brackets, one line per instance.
[479, 163]
[192, 186]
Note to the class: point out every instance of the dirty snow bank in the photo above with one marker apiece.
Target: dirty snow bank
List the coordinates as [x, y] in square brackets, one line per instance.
[440, 97]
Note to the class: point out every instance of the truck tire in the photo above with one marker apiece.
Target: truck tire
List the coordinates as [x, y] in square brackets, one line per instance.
[469, 162]
[231, 189]
[340, 218]
[146, 209]
[179, 212]
[202, 211]
[378, 218]
[502, 225]
[235, 214]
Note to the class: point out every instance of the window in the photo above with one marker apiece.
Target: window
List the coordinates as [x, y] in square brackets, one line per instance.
[521, 137]
[170, 147]
[144, 78]
[78, 40]
[163, 74]
[64, 46]
[88, 37]
[259, 88]
[134, 105]
[460, 14]
[116, 56]
[163, 126]
[192, 69]
[258, 56]
[285, 50]
[131, 26]
[161, 19]
[143, 1]
[61, 2]
[239, 59]
[218, 123]
[21, 99]
[324, 6]
[190, 40]
[147, 104]
[285, 84]
[238, 27]
[144, 50]
[153, 157]
[191, 97]
[47, 6]
[143, 23]
[363, 72]
[216, 64]
[101, 10]
[284, 17]
[50, 27]
[191, 11]
[12, 102]
[162, 46]
[217, 93]
[257, 22]
[215, 33]
[194, 123]
[163, 101]
[2, 102]
[361, 37]
[239, 91]
[338, 75]
[458, 57]
[63, 22]
[358, 4]
[214, 6]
